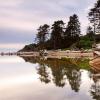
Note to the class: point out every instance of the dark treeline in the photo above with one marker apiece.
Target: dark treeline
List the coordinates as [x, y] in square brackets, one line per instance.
[59, 36]
[62, 36]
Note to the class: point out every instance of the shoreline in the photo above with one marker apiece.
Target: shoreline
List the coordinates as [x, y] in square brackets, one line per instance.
[54, 54]
[60, 54]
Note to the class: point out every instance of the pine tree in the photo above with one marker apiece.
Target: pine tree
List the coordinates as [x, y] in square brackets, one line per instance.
[56, 34]
[94, 16]
[90, 33]
[72, 31]
[41, 36]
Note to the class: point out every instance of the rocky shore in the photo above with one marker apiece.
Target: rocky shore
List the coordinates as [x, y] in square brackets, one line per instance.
[95, 64]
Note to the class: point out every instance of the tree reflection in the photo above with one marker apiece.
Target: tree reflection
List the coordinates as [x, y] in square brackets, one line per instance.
[57, 72]
[62, 71]
[95, 72]
[74, 77]
[95, 87]
[44, 75]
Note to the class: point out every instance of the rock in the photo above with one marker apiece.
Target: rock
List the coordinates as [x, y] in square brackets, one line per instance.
[95, 64]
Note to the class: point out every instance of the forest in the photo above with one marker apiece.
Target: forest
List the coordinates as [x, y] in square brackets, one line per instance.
[61, 35]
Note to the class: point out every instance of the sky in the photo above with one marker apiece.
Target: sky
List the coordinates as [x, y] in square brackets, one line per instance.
[20, 19]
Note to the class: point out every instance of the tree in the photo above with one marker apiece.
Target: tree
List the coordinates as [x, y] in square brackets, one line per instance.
[56, 34]
[42, 34]
[94, 16]
[72, 31]
[90, 33]
[84, 42]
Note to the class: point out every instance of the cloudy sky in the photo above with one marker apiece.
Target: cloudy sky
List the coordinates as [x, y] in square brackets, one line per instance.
[19, 19]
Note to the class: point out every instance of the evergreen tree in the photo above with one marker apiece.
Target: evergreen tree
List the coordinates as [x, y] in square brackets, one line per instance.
[56, 34]
[72, 31]
[94, 16]
[42, 34]
[90, 33]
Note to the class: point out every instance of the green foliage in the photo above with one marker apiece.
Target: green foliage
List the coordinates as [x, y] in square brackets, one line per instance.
[83, 64]
[90, 34]
[85, 42]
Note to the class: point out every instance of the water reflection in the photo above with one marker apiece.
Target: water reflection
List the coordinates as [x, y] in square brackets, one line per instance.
[62, 70]
[95, 87]
[48, 79]
[44, 74]
[67, 70]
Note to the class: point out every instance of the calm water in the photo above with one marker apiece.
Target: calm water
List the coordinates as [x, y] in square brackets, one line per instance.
[47, 79]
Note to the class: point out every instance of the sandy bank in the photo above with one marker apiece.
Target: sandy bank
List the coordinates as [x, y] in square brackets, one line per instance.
[60, 54]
